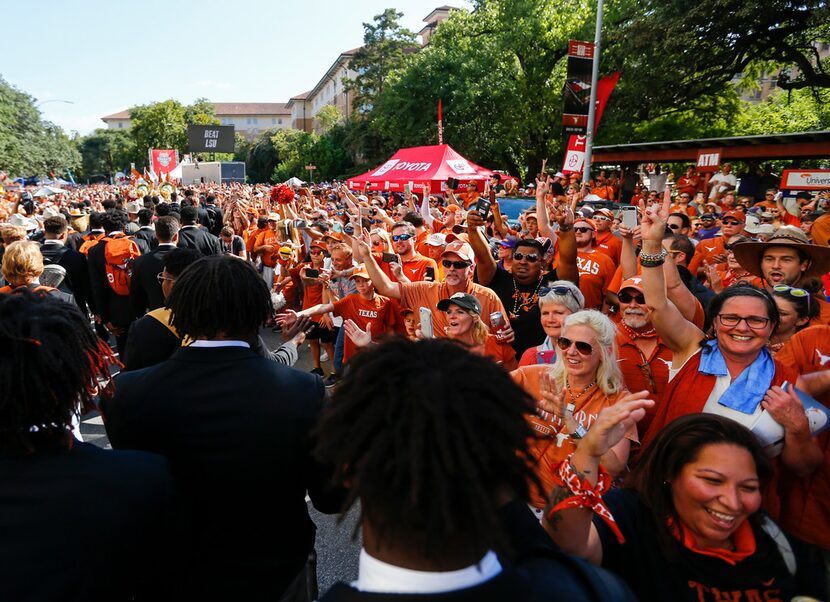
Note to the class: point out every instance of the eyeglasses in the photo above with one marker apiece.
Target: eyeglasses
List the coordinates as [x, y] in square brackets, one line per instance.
[674, 226]
[731, 222]
[685, 196]
[161, 278]
[583, 229]
[582, 347]
[377, 243]
[754, 322]
[397, 237]
[458, 265]
[531, 257]
[626, 297]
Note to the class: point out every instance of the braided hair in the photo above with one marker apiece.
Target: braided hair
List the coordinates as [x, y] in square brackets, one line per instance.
[51, 362]
[427, 433]
[217, 295]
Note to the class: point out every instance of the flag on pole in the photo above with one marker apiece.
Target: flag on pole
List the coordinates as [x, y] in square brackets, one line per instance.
[605, 86]
[440, 124]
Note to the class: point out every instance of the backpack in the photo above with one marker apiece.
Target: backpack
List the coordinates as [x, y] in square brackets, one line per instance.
[120, 254]
[90, 240]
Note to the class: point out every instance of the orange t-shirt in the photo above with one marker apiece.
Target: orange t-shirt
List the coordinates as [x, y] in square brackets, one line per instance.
[269, 237]
[251, 239]
[543, 446]
[705, 252]
[499, 353]
[378, 312]
[415, 269]
[610, 245]
[312, 293]
[805, 501]
[596, 270]
[415, 295]
[468, 198]
[689, 210]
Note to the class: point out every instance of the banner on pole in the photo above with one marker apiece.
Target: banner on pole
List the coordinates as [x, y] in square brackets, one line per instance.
[575, 155]
[163, 161]
[440, 124]
[577, 91]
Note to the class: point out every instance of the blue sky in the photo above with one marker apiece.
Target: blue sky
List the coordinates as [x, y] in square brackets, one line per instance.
[108, 56]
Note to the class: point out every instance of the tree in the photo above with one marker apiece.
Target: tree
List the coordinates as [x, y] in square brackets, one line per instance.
[385, 46]
[106, 152]
[164, 125]
[29, 145]
[293, 148]
[328, 117]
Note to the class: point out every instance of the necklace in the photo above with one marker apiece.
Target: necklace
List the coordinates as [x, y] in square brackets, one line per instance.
[581, 393]
[518, 304]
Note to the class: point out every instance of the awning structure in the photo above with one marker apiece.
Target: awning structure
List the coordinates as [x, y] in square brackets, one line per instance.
[419, 165]
[803, 145]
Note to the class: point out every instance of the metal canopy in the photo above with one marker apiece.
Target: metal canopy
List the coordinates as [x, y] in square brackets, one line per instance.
[802, 145]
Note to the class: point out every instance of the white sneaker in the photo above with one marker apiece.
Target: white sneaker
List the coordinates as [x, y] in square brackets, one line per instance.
[324, 357]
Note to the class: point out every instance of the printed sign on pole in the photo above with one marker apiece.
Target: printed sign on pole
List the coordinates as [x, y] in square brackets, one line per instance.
[809, 179]
[708, 160]
[575, 155]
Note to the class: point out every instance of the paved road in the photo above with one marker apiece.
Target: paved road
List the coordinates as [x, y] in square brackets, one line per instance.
[337, 553]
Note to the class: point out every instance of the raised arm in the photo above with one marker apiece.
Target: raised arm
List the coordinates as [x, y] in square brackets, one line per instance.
[677, 292]
[567, 269]
[485, 264]
[383, 284]
[628, 255]
[542, 211]
[680, 335]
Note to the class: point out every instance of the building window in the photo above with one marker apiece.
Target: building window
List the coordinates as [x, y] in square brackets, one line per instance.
[279, 121]
[273, 121]
[120, 125]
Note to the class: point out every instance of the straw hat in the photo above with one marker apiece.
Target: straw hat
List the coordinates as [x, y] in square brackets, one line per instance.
[749, 254]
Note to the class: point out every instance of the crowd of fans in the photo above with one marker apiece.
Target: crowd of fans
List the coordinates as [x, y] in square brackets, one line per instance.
[591, 401]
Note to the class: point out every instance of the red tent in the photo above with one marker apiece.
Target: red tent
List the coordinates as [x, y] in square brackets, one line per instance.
[420, 165]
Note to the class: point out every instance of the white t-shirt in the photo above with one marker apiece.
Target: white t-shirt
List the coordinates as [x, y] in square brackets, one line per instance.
[720, 179]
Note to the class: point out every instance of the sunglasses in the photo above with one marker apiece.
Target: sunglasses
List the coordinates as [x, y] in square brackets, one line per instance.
[531, 257]
[673, 226]
[731, 222]
[626, 297]
[583, 229]
[316, 251]
[377, 243]
[458, 265]
[556, 290]
[601, 218]
[397, 237]
[582, 347]
[798, 293]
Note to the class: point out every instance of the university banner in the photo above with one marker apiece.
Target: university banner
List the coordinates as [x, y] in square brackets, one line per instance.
[577, 92]
[163, 161]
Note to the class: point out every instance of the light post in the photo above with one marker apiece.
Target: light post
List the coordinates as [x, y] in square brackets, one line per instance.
[589, 133]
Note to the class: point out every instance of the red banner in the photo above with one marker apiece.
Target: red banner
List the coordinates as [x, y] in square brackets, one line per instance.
[605, 86]
[163, 161]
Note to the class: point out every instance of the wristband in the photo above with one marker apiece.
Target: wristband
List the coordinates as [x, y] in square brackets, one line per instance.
[584, 495]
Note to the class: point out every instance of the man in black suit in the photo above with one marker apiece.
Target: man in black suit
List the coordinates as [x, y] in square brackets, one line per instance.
[55, 251]
[145, 288]
[114, 311]
[443, 489]
[211, 216]
[236, 429]
[152, 339]
[194, 237]
[145, 229]
[78, 522]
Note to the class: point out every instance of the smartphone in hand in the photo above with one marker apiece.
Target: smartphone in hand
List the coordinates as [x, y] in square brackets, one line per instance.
[426, 323]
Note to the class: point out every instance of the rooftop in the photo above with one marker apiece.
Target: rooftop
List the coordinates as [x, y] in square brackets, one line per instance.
[229, 108]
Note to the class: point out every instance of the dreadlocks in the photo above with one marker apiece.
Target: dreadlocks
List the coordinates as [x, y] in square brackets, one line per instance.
[220, 295]
[427, 433]
[51, 361]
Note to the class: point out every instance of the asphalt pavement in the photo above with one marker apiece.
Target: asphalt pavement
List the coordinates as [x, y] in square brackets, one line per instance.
[337, 549]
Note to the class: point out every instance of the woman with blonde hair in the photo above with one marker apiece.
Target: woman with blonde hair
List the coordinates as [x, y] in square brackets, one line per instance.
[585, 379]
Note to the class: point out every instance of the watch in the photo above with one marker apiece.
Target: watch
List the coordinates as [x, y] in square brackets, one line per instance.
[579, 433]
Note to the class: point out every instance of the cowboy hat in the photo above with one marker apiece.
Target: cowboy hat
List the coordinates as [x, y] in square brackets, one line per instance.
[749, 254]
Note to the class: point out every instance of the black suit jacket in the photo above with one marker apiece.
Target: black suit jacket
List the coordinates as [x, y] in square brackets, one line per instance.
[193, 237]
[149, 342]
[145, 290]
[148, 235]
[236, 429]
[112, 307]
[535, 572]
[85, 524]
[77, 271]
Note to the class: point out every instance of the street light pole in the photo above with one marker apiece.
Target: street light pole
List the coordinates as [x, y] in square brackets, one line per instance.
[592, 108]
[43, 102]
